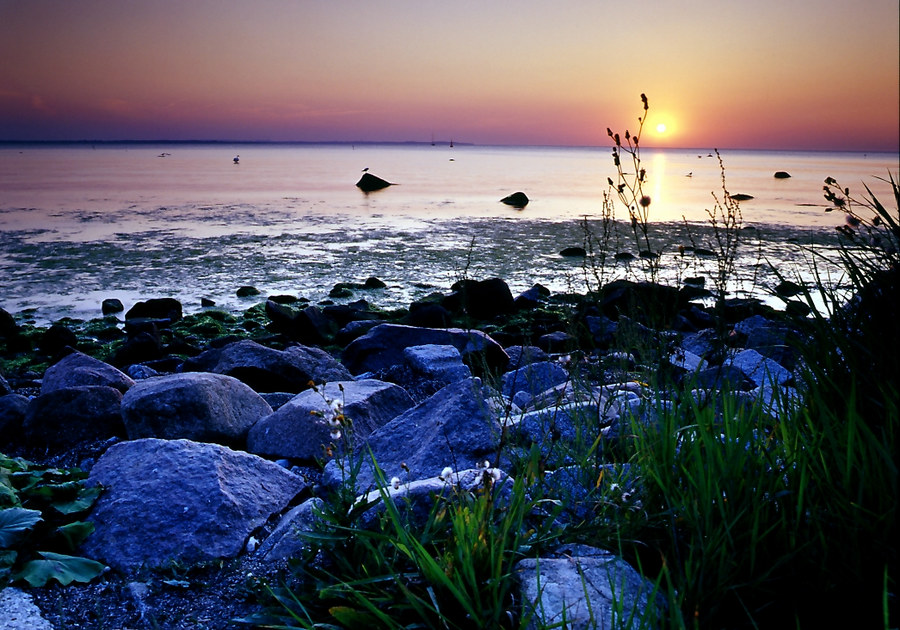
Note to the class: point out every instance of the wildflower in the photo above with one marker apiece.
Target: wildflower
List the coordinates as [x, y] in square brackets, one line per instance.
[395, 483]
[445, 474]
[335, 434]
[645, 201]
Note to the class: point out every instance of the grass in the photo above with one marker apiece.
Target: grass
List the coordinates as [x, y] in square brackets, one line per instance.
[740, 517]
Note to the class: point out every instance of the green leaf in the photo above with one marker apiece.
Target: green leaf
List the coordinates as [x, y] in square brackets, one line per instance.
[85, 499]
[7, 558]
[64, 569]
[351, 617]
[75, 533]
[14, 522]
[8, 496]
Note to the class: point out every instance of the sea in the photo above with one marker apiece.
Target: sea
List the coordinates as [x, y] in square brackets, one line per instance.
[82, 222]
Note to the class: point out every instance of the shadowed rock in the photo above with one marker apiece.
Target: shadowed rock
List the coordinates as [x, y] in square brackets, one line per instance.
[370, 183]
[196, 406]
[516, 200]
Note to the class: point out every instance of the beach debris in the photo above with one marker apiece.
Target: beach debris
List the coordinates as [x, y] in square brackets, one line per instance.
[782, 175]
[516, 200]
[370, 183]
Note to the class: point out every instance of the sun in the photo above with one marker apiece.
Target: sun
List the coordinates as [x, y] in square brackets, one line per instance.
[661, 128]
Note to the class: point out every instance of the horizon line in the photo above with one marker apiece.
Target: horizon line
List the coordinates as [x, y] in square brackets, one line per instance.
[444, 143]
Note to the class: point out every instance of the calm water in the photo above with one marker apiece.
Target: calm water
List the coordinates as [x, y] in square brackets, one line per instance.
[79, 223]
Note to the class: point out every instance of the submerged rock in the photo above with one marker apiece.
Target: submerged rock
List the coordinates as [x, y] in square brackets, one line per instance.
[782, 175]
[370, 183]
[516, 200]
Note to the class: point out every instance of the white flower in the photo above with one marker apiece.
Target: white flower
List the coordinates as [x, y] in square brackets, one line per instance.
[395, 482]
[445, 474]
[495, 473]
[337, 406]
[335, 434]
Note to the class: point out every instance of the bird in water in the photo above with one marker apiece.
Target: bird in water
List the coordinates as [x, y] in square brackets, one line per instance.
[237, 159]
[365, 169]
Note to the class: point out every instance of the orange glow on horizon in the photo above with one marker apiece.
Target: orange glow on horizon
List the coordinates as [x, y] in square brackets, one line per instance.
[555, 75]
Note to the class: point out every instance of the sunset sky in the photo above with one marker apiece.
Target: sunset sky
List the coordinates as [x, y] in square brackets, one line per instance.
[802, 74]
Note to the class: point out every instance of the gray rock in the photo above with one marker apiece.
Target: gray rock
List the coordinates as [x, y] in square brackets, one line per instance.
[555, 428]
[167, 502]
[382, 347]
[74, 414]
[77, 369]
[286, 539]
[516, 200]
[578, 489]
[12, 414]
[454, 427]
[721, 377]
[195, 406]
[687, 360]
[413, 499]
[269, 370]
[586, 588]
[139, 372]
[520, 356]
[533, 378]
[759, 369]
[702, 343]
[4, 387]
[295, 432]
[19, 612]
[277, 400]
[440, 362]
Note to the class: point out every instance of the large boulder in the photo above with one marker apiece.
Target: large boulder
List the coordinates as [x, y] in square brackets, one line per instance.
[454, 427]
[267, 369]
[78, 369]
[162, 309]
[12, 414]
[583, 587]
[298, 431]
[441, 363]
[309, 325]
[533, 378]
[196, 406]
[481, 299]
[74, 414]
[759, 369]
[181, 502]
[383, 346]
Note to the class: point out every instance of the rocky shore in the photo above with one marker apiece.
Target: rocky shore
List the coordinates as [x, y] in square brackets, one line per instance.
[216, 436]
